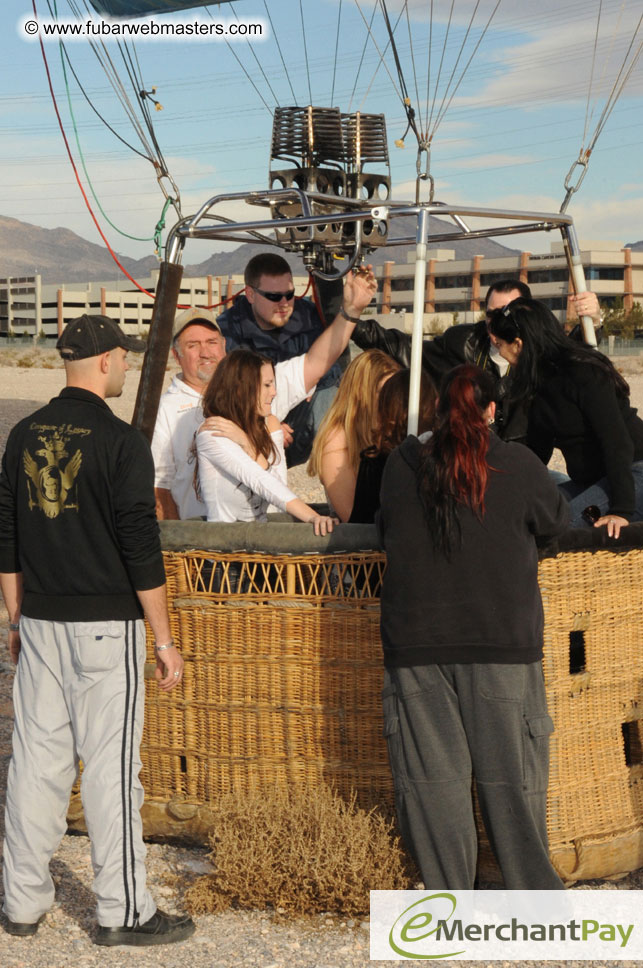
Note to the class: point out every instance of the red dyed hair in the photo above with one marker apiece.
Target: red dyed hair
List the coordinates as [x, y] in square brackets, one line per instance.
[454, 465]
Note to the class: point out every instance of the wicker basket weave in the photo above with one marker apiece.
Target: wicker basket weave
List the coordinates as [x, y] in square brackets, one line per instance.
[283, 671]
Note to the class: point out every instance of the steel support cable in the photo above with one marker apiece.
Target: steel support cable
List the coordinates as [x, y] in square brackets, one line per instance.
[582, 161]
[96, 111]
[423, 147]
[437, 80]
[365, 45]
[457, 60]
[107, 64]
[75, 170]
[54, 14]
[591, 74]
[415, 77]
[428, 69]
[303, 31]
[132, 66]
[618, 85]
[161, 166]
[443, 110]
[283, 61]
[136, 80]
[136, 238]
[257, 61]
[606, 61]
[382, 62]
[339, 19]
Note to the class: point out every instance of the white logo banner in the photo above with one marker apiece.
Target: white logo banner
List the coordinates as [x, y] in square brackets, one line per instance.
[574, 925]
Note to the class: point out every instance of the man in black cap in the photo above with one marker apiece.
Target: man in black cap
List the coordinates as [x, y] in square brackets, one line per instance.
[80, 563]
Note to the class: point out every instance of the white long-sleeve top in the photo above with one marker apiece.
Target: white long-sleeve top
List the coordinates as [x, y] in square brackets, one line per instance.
[179, 417]
[233, 486]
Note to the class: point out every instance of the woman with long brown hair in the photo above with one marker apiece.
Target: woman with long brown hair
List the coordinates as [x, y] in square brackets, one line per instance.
[240, 475]
[347, 428]
[462, 632]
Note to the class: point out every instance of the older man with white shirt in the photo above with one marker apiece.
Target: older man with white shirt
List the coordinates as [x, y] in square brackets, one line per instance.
[198, 346]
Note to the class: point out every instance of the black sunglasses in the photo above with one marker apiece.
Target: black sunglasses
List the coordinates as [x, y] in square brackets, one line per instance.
[275, 296]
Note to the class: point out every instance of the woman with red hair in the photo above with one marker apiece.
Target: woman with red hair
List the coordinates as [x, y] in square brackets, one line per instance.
[462, 632]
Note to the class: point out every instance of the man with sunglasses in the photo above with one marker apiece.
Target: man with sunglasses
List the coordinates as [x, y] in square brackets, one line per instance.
[268, 318]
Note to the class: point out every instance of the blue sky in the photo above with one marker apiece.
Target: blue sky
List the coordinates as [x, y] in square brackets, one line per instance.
[514, 126]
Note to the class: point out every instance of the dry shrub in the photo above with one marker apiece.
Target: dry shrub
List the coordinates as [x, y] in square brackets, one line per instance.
[302, 852]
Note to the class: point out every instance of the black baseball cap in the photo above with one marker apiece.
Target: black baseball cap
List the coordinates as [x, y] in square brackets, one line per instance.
[92, 335]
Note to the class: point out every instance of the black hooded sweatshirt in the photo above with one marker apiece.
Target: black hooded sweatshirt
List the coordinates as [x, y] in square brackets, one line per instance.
[482, 604]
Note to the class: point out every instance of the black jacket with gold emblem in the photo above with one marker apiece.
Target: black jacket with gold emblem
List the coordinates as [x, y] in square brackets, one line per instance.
[77, 512]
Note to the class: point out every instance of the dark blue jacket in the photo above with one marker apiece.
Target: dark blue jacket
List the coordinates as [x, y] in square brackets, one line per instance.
[240, 329]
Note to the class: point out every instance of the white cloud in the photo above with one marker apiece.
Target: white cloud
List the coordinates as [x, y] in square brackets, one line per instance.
[490, 161]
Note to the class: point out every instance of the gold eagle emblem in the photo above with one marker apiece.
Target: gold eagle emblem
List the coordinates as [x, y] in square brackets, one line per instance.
[50, 485]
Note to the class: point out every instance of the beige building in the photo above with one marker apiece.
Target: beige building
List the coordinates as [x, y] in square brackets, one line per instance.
[32, 308]
[459, 285]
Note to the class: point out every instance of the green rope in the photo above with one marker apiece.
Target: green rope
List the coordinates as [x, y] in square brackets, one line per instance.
[135, 238]
[160, 225]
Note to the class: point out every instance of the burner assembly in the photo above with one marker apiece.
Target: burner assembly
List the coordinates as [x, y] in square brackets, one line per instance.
[329, 156]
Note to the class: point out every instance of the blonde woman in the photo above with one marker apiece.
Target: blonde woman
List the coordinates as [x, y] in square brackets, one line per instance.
[347, 429]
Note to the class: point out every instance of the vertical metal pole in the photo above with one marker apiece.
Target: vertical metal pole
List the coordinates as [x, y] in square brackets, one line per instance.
[574, 261]
[150, 386]
[418, 320]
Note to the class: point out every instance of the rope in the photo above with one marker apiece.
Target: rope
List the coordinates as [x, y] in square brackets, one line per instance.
[339, 17]
[303, 30]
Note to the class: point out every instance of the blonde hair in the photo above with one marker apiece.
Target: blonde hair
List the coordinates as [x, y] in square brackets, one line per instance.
[354, 408]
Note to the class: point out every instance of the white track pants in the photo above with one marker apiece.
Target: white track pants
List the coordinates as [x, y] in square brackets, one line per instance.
[78, 694]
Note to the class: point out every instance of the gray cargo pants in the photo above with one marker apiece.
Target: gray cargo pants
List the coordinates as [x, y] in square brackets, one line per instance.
[78, 695]
[446, 724]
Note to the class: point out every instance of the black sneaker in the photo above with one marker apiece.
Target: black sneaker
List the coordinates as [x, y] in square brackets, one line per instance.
[160, 929]
[21, 929]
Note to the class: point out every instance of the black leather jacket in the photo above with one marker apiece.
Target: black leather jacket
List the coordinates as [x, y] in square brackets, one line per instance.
[464, 343]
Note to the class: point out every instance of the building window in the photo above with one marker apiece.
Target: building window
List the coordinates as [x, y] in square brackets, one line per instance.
[605, 272]
[401, 285]
[453, 282]
[548, 275]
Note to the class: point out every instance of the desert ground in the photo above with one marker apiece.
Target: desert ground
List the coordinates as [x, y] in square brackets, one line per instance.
[28, 378]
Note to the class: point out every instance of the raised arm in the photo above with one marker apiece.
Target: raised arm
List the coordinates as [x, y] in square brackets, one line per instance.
[359, 289]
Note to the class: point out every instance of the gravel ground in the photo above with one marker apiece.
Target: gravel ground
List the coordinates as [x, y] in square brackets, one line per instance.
[231, 940]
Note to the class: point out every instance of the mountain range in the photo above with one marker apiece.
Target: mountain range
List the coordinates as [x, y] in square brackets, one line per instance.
[61, 256]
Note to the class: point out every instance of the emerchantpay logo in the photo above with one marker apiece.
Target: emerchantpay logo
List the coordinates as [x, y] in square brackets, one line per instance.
[574, 925]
